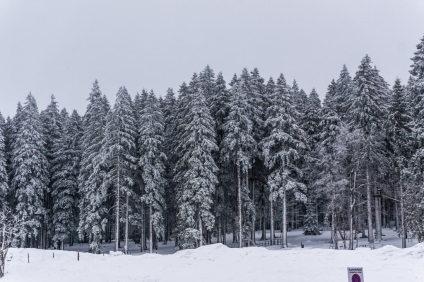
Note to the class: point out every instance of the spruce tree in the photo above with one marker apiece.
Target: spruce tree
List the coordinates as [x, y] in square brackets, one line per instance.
[366, 108]
[4, 179]
[196, 169]
[30, 175]
[398, 134]
[239, 148]
[92, 175]
[152, 163]
[118, 152]
[282, 149]
[64, 182]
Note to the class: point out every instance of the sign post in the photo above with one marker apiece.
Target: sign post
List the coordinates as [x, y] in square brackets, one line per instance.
[355, 274]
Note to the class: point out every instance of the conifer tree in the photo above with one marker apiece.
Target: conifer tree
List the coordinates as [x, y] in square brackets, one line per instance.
[119, 156]
[239, 147]
[196, 169]
[92, 175]
[367, 111]
[398, 133]
[64, 182]
[152, 163]
[282, 149]
[4, 179]
[30, 173]
[52, 126]
[415, 192]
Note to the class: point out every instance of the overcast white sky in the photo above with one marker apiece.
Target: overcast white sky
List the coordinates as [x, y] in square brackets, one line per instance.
[60, 47]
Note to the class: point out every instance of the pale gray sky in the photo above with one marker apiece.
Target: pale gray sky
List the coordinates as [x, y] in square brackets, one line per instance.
[60, 47]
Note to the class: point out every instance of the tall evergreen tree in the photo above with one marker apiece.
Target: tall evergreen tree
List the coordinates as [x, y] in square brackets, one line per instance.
[152, 163]
[30, 173]
[398, 133]
[4, 179]
[239, 147]
[119, 156]
[64, 182]
[415, 192]
[367, 112]
[93, 193]
[282, 149]
[196, 170]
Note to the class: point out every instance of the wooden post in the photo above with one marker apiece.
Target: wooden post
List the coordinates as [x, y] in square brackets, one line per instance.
[53, 254]
[78, 256]
[28, 257]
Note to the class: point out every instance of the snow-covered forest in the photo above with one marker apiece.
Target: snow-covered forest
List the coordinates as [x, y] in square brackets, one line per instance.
[214, 158]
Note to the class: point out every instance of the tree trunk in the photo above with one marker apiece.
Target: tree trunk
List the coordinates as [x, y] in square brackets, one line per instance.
[126, 226]
[254, 212]
[239, 205]
[201, 232]
[402, 215]
[284, 219]
[377, 216]
[369, 210]
[351, 209]
[150, 228]
[271, 218]
[333, 219]
[117, 212]
[143, 229]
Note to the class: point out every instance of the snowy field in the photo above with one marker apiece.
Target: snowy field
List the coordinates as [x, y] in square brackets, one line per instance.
[216, 262]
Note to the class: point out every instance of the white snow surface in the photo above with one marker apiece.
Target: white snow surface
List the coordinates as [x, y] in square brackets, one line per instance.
[217, 262]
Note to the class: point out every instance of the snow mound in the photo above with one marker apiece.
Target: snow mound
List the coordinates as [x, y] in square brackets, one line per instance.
[217, 263]
[118, 253]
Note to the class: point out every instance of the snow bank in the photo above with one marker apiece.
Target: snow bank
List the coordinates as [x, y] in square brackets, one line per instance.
[217, 262]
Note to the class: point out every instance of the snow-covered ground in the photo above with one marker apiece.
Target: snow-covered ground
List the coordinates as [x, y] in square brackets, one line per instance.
[217, 262]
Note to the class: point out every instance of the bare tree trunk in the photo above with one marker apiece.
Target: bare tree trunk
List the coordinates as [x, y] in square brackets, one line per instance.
[3, 253]
[369, 210]
[284, 221]
[201, 232]
[402, 215]
[117, 212]
[271, 219]
[351, 209]
[239, 205]
[218, 237]
[126, 226]
[377, 216]
[333, 218]
[143, 228]
[150, 228]
[254, 213]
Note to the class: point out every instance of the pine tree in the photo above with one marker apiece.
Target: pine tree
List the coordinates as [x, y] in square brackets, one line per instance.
[414, 193]
[169, 131]
[239, 147]
[282, 149]
[52, 126]
[343, 91]
[196, 170]
[152, 163]
[398, 133]
[64, 182]
[30, 173]
[119, 156]
[4, 179]
[367, 112]
[330, 176]
[93, 192]
[310, 123]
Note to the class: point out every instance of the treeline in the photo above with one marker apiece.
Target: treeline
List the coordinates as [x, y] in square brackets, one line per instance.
[219, 158]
